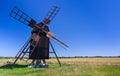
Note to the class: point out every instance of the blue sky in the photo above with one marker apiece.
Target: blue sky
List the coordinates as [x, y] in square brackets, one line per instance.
[91, 27]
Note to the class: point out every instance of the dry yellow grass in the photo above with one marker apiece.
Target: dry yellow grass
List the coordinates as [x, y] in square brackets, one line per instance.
[95, 61]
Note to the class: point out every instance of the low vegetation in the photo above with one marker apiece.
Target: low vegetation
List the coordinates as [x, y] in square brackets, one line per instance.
[70, 67]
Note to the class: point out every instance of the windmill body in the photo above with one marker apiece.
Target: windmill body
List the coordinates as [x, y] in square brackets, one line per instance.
[41, 51]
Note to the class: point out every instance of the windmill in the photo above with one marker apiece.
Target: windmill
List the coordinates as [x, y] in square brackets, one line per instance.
[37, 46]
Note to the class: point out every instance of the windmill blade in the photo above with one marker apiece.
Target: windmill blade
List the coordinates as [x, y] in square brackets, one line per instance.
[51, 14]
[22, 17]
[60, 42]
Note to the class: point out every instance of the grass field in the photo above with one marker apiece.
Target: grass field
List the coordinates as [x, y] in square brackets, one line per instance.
[70, 67]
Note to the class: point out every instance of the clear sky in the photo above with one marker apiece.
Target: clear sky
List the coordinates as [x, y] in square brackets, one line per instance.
[91, 27]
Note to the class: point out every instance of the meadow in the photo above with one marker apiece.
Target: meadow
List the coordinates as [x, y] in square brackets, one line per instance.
[70, 67]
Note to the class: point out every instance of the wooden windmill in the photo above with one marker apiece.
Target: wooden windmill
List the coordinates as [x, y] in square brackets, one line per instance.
[37, 46]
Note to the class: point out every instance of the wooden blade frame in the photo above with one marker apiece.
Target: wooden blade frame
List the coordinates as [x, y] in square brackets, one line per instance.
[51, 14]
[22, 17]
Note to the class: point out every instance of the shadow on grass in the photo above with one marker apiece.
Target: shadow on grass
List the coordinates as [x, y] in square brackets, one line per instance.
[10, 66]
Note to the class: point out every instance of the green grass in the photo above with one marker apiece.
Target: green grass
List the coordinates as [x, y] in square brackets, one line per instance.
[70, 67]
[64, 70]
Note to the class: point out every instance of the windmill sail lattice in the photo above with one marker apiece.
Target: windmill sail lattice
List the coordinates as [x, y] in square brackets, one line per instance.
[21, 16]
[52, 13]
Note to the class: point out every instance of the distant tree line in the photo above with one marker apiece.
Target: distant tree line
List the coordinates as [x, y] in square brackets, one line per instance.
[97, 56]
[74, 57]
[89, 57]
[1, 57]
